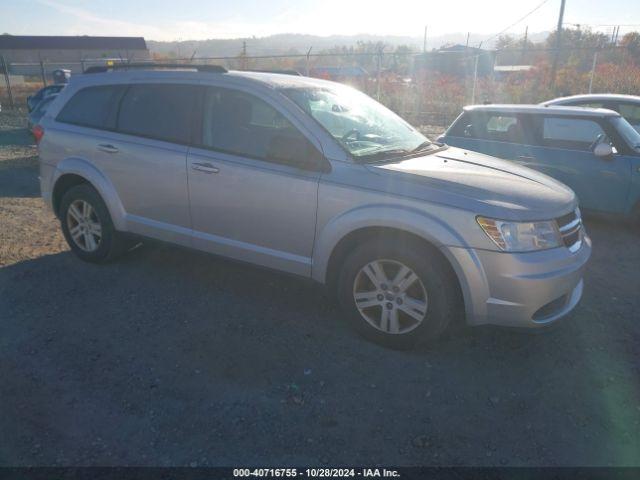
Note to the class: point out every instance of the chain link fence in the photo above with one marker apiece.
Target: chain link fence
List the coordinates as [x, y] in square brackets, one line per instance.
[427, 89]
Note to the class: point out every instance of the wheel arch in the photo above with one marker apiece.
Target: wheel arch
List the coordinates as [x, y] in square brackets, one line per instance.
[74, 171]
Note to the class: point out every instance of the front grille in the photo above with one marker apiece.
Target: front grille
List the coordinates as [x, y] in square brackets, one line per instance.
[570, 227]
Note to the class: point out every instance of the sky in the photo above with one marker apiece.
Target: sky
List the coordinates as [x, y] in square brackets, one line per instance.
[201, 19]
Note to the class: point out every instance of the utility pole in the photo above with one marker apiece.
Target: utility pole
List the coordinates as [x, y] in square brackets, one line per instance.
[424, 43]
[554, 66]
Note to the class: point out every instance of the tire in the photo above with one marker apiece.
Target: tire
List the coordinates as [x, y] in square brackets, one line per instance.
[108, 244]
[430, 294]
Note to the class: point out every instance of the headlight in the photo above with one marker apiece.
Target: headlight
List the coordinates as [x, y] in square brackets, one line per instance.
[521, 236]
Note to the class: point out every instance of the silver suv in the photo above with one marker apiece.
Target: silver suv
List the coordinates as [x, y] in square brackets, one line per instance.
[316, 179]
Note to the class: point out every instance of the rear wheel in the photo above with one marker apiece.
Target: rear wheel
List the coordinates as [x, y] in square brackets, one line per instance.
[87, 226]
[397, 294]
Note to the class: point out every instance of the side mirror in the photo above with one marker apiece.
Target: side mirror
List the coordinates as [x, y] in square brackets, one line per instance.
[603, 150]
[296, 151]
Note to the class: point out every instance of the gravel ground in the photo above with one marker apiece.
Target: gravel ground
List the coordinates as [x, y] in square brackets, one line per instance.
[173, 357]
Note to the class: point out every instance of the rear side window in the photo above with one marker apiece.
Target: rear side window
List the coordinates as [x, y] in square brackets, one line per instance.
[44, 104]
[589, 105]
[491, 126]
[92, 107]
[163, 112]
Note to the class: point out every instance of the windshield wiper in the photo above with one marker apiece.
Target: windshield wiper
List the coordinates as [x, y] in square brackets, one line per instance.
[422, 146]
[383, 154]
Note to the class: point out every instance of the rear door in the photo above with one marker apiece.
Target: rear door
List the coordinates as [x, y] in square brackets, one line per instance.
[564, 150]
[246, 203]
[145, 158]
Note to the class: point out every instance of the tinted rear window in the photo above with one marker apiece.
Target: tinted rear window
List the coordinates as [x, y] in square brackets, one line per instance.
[163, 112]
[92, 107]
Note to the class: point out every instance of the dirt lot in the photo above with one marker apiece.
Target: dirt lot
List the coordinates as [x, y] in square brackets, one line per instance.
[172, 357]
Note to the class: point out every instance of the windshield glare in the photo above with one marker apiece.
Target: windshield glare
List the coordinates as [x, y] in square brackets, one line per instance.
[360, 124]
[630, 134]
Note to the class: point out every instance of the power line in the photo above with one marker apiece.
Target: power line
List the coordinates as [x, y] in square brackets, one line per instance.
[516, 22]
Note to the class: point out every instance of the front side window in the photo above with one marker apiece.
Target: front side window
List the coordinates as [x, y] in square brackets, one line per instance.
[92, 107]
[241, 124]
[159, 111]
[361, 125]
[571, 133]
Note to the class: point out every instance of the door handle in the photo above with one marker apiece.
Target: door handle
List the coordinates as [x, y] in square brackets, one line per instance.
[107, 148]
[204, 167]
[524, 157]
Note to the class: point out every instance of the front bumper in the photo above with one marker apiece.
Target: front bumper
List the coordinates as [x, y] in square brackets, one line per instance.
[529, 290]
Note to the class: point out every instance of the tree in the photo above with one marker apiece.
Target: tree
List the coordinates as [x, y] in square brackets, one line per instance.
[631, 42]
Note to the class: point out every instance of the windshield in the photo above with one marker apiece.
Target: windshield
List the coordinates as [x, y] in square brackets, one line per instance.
[365, 128]
[630, 134]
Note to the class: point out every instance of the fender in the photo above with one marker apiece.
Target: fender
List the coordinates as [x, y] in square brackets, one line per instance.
[414, 221]
[83, 168]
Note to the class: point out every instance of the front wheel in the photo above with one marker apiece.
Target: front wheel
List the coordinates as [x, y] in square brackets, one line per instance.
[396, 294]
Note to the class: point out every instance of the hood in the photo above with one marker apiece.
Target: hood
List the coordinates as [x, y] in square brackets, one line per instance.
[469, 177]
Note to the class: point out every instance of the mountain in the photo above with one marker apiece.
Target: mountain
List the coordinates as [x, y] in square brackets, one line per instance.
[289, 43]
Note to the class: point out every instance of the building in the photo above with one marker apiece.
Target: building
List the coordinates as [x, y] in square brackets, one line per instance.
[343, 73]
[503, 71]
[23, 53]
[32, 48]
[456, 60]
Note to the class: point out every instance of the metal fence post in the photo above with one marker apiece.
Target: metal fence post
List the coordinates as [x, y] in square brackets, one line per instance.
[378, 69]
[593, 70]
[307, 64]
[44, 76]
[475, 78]
[7, 80]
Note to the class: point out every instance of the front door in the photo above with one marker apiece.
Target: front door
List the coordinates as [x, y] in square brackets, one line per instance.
[245, 203]
[564, 150]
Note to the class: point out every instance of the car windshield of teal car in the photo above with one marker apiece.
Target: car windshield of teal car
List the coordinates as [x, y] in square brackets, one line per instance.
[365, 128]
[628, 133]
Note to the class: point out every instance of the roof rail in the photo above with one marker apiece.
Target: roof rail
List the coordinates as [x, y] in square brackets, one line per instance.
[152, 65]
[282, 72]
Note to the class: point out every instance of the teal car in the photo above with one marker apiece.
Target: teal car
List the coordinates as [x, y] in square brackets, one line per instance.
[596, 152]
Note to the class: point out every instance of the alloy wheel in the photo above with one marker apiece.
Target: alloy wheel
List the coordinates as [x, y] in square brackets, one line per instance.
[390, 296]
[84, 225]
